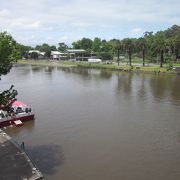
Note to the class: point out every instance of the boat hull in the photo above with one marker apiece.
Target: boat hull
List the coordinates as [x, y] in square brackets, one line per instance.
[10, 120]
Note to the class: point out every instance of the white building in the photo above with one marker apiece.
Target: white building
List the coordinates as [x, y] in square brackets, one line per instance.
[41, 55]
[79, 54]
[56, 55]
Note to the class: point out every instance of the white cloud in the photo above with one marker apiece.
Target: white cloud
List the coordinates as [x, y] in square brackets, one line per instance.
[4, 13]
[25, 24]
[59, 18]
[136, 30]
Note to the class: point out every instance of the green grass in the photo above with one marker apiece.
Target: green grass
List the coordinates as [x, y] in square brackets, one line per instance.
[134, 60]
[177, 64]
[79, 64]
[103, 66]
[49, 63]
[124, 67]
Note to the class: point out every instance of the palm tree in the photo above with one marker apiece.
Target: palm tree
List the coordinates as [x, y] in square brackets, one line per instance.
[116, 47]
[142, 44]
[128, 45]
[159, 46]
[176, 43]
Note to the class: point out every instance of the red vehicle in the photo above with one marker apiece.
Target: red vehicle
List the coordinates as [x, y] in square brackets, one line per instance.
[20, 112]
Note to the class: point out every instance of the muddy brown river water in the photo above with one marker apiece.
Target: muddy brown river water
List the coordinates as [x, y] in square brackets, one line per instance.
[99, 125]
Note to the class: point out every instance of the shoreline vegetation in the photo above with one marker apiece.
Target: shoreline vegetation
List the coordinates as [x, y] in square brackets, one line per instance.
[135, 67]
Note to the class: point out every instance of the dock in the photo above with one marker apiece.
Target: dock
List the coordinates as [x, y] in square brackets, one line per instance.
[15, 162]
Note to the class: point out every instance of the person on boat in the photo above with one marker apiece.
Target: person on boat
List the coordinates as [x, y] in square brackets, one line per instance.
[19, 110]
[26, 110]
[2, 114]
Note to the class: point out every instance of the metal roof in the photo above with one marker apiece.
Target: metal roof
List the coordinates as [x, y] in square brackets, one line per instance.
[56, 53]
[75, 50]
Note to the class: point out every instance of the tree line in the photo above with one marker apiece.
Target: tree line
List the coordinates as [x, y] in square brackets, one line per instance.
[162, 46]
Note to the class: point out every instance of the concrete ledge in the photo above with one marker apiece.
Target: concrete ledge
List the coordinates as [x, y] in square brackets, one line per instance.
[15, 163]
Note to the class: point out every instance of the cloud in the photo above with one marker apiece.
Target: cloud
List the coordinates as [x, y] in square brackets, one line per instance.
[4, 13]
[136, 30]
[60, 18]
[25, 24]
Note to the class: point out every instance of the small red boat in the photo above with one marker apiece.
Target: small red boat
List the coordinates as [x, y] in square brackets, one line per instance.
[20, 113]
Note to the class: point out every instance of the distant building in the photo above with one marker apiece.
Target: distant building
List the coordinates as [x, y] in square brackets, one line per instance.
[79, 54]
[56, 55]
[69, 54]
[40, 55]
[36, 51]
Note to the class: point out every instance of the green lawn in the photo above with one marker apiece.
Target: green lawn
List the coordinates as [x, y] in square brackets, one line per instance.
[121, 67]
[47, 63]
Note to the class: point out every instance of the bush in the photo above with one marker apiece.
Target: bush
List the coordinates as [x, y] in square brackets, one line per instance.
[170, 66]
[105, 55]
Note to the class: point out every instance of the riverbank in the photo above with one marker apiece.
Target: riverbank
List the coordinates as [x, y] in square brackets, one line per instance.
[121, 67]
[49, 63]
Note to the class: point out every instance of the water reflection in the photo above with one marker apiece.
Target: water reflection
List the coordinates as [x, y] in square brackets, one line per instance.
[143, 91]
[175, 88]
[159, 86]
[49, 69]
[124, 83]
[145, 86]
[24, 71]
[165, 87]
[46, 157]
[85, 73]
[36, 68]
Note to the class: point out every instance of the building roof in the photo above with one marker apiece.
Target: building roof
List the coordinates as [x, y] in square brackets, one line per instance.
[75, 50]
[31, 51]
[56, 53]
[42, 53]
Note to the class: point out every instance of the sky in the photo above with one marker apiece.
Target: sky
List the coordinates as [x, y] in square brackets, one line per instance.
[33, 22]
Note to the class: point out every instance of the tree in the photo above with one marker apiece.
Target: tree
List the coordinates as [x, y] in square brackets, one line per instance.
[34, 55]
[38, 47]
[77, 44]
[96, 45]
[47, 49]
[7, 97]
[53, 48]
[128, 45]
[43, 48]
[176, 44]
[84, 43]
[116, 47]
[23, 50]
[142, 44]
[172, 31]
[105, 46]
[105, 55]
[159, 46]
[62, 47]
[8, 55]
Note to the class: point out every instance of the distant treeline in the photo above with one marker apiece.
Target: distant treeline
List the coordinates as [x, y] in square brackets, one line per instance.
[163, 46]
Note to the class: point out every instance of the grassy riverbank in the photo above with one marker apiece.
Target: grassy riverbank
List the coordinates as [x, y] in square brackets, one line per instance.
[49, 63]
[121, 67]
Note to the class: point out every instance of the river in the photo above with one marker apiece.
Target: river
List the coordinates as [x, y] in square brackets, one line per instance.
[99, 125]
